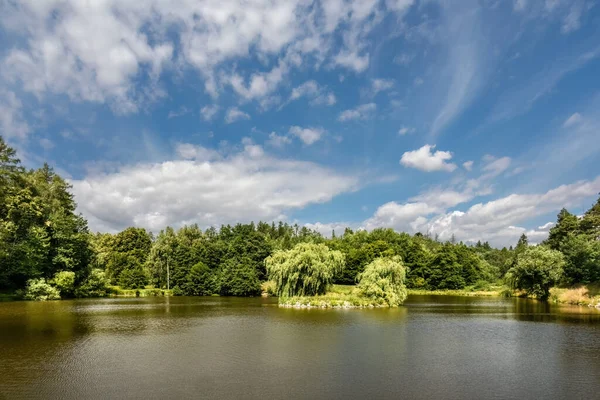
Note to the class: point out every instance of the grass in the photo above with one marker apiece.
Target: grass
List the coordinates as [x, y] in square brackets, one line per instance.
[339, 296]
[583, 295]
[492, 291]
[117, 291]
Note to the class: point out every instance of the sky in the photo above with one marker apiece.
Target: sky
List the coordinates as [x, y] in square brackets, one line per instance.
[478, 119]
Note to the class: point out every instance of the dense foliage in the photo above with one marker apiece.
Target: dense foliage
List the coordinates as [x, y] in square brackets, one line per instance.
[47, 251]
[306, 270]
[537, 269]
[384, 279]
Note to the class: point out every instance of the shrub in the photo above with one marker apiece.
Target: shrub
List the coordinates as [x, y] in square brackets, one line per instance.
[239, 278]
[176, 291]
[65, 283]
[383, 279]
[95, 285]
[306, 270]
[39, 290]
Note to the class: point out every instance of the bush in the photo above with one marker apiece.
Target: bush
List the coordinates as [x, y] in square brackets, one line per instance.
[65, 283]
[95, 285]
[239, 278]
[176, 291]
[306, 270]
[39, 290]
[383, 279]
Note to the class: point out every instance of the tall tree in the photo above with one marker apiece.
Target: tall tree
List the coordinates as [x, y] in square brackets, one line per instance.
[567, 224]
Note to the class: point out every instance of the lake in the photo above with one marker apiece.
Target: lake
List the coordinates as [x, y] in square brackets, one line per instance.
[233, 348]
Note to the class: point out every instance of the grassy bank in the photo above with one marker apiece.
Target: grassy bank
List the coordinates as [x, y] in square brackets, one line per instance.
[492, 291]
[340, 296]
[116, 291]
[583, 295]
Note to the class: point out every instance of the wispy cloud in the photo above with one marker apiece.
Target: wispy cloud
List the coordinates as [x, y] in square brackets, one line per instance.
[235, 114]
[363, 111]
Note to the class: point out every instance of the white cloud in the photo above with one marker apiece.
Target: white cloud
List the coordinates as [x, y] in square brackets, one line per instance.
[46, 144]
[468, 165]
[400, 6]
[312, 90]
[12, 121]
[546, 226]
[495, 221]
[425, 160]
[442, 199]
[278, 141]
[466, 64]
[208, 112]
[352, 60]
[572, 21]
[380, 85]
[574, 119]
[260, 84]
[307, 135]
[178, 113]
[207, 189]
[326, 99]
[405, 130]
[235, 114]
[326, 229]
[399, 216]
[308, 88]
[404, 59]
[497, 166]
[520, 5]
[99, 51]
[363, 111]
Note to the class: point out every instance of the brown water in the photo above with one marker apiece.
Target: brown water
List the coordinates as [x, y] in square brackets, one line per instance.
[226, 348]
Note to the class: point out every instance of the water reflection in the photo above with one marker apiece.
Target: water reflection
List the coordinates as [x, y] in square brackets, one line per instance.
[433, 347]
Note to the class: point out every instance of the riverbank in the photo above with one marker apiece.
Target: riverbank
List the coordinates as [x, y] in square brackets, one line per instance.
[340, 296]
[582, 295]
[116, 291]
[347, 296]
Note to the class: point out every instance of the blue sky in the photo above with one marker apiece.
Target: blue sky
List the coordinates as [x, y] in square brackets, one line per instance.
[474, 118]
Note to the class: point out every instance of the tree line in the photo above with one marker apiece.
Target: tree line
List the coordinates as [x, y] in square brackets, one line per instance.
[47, 251]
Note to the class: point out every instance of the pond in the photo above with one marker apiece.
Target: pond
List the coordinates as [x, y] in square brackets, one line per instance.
[232, 348]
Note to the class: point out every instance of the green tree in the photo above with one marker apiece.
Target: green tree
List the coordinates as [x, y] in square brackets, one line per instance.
[64, 281]
[590, 223]
[200, 281]
[383, 279]
[567, 225]
[305, 270]
[95, 285]
[537, 269]
[445, 270]
[582, 259]
[239, 278]
[134, 277]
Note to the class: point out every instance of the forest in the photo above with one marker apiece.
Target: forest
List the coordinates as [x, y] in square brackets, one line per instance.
[48, 252]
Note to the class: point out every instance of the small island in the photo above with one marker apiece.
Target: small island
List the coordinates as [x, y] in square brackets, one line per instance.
[303, 278]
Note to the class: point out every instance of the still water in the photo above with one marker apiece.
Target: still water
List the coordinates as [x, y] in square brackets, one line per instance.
[227, 348]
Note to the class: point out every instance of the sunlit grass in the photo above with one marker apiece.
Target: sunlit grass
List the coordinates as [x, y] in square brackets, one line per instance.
[586, 295]
[338, 296]
[149, 291]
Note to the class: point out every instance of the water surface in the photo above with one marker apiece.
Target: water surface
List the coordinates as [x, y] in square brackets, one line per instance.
[227, 348]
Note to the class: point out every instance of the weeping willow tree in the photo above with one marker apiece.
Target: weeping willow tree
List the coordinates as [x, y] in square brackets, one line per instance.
[383, 279]
[305, 270]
